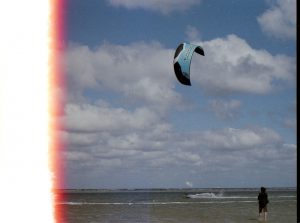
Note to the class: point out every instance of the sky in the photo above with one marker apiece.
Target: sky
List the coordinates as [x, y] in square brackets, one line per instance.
[128, 122]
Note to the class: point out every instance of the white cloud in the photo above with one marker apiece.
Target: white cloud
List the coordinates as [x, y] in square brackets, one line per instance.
[78, 156]
[236, 139]
[190, 149]
[208, 152]
[144, 71]
[80, 139]
[280, 20]
[165, 7]
[225, 110]
[231, 65]
[91, 118]
[140, 72]
[107, 138]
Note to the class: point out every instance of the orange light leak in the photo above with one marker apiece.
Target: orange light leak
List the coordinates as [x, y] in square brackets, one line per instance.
[30, 76]
[56, 100]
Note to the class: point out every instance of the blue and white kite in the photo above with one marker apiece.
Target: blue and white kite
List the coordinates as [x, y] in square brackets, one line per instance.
[182, 61]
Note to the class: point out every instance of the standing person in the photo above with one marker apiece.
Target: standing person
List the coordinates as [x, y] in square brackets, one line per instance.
[262, 202]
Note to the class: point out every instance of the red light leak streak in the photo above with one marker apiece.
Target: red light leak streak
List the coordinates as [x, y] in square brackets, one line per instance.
[56, 100]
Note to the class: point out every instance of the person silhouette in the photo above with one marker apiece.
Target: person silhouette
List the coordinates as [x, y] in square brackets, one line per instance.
[262, 203]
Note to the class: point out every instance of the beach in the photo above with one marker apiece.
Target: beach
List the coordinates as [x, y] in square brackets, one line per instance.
[174, 205]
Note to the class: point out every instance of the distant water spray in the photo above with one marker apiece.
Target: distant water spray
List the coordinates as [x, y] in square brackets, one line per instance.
[220, 194]
[26, 147]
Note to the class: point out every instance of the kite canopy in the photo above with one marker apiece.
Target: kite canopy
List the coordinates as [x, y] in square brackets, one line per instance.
[182, 61]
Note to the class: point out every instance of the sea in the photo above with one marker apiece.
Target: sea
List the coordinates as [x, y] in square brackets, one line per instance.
[209, 205]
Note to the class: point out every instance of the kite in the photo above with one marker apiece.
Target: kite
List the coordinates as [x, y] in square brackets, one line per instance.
[182, 61]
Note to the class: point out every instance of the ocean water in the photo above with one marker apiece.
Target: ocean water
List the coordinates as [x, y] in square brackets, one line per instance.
[176, 206]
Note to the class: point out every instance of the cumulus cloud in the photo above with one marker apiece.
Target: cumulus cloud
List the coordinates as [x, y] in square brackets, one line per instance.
[203, 156]
[143, 71]
[280, 19]
[164, 7]
[207, 151]
[92, 118]
[233, 139]
[134, 136]
[140, 72]
[232, 65]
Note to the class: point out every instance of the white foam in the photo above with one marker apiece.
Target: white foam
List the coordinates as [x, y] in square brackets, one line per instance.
[201, 198]
[215, 196]
[147, 203]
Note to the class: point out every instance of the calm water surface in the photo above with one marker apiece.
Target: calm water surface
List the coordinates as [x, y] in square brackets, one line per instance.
[177, 206]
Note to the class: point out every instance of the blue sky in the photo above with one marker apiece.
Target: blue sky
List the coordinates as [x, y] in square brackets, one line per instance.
[131, 124]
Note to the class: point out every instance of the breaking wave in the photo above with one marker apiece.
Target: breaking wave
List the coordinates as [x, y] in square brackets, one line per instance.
[147, 203]
[221, 196]
[165, 203]
[214, 196]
